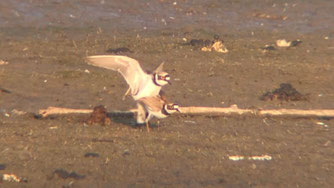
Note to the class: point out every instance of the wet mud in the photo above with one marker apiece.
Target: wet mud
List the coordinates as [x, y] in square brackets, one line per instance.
[45, 45]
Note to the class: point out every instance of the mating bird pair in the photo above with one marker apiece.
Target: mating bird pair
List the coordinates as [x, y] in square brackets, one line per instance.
[145, 87]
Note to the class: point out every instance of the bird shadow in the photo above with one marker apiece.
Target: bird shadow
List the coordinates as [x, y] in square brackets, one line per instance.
[128, 120]
[125, 119]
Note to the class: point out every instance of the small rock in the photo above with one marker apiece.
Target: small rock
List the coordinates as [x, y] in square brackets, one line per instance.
[126, 152]
[236, 158]
[217, 46]
[2, 62]
[18, 112]
[200, 42]
[13, 178]
[253, 166]
[2, 90]
[267, 48]
[189, 121]
[322, 124]
[64, 174]
[119, 50]
[295, 43]
[208, 45]
[285, 43]
[89, 154]
[2, 166]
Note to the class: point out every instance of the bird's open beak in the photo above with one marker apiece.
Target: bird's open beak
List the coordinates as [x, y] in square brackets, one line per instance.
[170, 83]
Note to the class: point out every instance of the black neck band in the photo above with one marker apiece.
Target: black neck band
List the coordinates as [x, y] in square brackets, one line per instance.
[154, 81]
[164, 111]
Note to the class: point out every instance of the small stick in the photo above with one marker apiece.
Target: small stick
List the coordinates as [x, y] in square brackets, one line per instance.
[57, 110]
[209, 110]
[297, 112]
[275, 112]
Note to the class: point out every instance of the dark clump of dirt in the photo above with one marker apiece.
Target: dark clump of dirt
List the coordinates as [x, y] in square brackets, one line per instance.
[268, 48]
[119, 50]
[2, 90]
[2, 166]
[208, 45]
[90, 154]
[99, 116]
[102, 140]
[286, 92]
[65, 174]
[216, 45]
[295, 43]
[199, 43]
[46, 67]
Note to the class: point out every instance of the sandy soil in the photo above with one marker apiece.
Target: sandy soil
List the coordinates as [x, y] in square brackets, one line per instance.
[45, 43]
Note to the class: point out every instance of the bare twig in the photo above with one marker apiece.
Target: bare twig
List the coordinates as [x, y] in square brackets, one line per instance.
[297, 112]
[57, 110]
[210, 110]
[275, 112]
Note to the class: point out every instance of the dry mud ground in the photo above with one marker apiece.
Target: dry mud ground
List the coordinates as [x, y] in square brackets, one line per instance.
[45, 53]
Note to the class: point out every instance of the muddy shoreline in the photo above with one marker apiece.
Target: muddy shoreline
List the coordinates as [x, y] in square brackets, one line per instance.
[45, 51]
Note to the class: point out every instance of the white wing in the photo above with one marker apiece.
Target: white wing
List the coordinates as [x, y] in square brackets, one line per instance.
[159, 68]
[128, 67]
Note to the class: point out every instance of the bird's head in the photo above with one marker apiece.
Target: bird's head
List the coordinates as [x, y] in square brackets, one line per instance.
[162, 78]
[171, 108]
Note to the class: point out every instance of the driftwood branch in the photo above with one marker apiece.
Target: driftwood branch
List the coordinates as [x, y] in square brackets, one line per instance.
[215, 110]
[57, 110]
[210, 110]
[275, 112]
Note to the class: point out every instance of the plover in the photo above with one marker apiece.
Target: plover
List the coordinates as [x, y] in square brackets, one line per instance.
[155, 106]
[141, 84]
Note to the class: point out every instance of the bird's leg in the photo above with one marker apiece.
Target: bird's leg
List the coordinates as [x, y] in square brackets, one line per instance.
[126, 94]
[147, 126]
[141, 114]
[149, 116]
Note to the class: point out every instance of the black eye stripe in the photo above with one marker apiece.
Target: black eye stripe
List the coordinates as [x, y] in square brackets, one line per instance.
[162, 77]
[172, 107]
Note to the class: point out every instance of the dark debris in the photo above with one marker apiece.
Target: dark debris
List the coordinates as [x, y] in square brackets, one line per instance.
[119, 50]
[2, 90]
[90, 154]
[199, 43]
[268, 48]
[99, 116]
[102, 140]
[126, 152]
[295, 43]
[65, 174]
[286, 92]
[2, 166]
